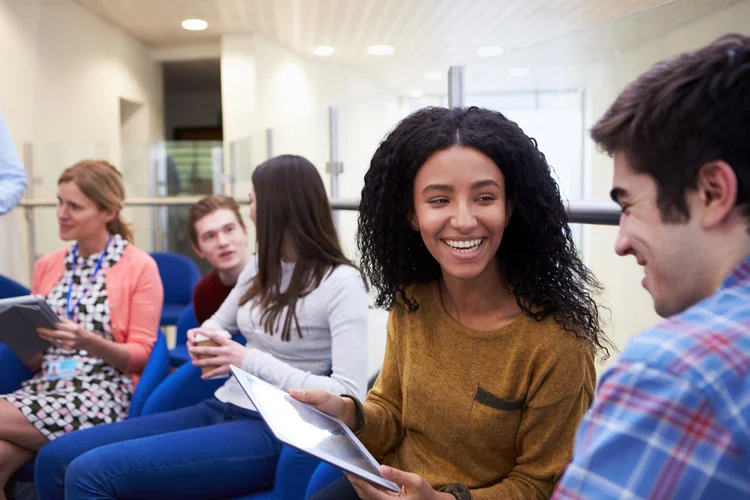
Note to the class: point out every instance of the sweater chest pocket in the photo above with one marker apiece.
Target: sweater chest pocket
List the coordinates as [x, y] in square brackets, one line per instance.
[494, 420]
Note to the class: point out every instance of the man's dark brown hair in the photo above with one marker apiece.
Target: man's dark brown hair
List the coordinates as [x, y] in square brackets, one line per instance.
[684, 112]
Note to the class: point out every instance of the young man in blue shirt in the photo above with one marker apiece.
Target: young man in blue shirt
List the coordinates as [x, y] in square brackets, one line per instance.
[671, 419]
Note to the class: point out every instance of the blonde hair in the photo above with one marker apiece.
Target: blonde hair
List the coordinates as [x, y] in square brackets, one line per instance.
[101, 182]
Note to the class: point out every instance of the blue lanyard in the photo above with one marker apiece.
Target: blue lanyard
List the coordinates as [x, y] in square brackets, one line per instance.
[68, 309]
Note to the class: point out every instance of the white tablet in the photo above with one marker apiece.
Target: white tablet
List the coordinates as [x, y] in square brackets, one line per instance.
[19, 319]
[307, 429]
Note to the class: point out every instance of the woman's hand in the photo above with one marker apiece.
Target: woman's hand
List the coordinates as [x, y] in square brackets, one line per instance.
[68, 335]
[191, 334]
[413, 487]
[227, 352]
[342, 408]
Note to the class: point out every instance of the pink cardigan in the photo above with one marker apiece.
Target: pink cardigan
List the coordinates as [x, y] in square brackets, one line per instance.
[135, 294]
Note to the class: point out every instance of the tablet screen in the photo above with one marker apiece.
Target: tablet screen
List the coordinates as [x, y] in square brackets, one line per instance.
[308, 429]
[301, 426]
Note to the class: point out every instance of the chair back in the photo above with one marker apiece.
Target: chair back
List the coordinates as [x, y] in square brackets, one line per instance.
[179, 275]
[156, 370]
[10, 288]
[185, 322]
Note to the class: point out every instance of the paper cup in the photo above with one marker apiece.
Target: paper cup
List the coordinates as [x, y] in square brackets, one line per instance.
[201, 341]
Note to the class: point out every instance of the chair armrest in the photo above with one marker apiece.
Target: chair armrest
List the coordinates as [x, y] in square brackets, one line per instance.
[156, 370]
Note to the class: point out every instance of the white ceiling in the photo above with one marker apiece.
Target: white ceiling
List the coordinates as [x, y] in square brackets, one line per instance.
[565, 63]
[429, 35]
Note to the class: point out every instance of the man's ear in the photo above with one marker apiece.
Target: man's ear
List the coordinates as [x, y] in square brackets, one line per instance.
[198, 251]
[717, 190]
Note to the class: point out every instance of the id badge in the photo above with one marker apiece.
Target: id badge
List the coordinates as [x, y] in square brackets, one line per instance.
[62, 369]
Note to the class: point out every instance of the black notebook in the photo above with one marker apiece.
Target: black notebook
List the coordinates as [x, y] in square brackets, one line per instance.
[19, 319]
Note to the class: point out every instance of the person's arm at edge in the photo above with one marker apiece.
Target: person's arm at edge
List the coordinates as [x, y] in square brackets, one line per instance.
[12, 174]
[628, 422]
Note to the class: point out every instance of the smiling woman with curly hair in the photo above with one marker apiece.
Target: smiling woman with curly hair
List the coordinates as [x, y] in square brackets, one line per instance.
[492, 332]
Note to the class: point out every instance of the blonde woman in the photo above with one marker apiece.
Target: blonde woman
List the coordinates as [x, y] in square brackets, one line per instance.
[108, 296]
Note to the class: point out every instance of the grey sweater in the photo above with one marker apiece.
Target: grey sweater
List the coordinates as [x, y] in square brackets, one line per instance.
[332, 353]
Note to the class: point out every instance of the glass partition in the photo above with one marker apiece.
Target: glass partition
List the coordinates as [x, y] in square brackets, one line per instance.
[557, 90]
[362, 125]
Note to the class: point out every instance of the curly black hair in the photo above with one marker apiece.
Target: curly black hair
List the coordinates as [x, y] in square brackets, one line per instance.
[537, 251]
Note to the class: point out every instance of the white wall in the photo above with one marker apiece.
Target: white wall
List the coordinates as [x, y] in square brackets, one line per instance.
[19, 22]
[268, 86]
[66, 71]
[631, 305]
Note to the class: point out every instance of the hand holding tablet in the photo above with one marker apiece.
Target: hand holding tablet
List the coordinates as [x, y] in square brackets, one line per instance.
[330, 404]
[306, 428]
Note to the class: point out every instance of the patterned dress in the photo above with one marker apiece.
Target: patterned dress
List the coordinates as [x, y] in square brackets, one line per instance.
[98, 393]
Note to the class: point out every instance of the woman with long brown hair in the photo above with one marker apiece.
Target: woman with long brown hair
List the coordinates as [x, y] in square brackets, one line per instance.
[109, 296]
[302, 307]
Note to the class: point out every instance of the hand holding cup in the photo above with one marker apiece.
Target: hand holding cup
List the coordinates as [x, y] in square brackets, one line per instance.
[213, 351]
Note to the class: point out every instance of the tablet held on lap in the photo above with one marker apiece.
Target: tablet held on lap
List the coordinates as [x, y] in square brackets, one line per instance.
[307, 429]
[19, 319]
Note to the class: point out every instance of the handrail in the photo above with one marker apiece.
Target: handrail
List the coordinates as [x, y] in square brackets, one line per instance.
[602, 212]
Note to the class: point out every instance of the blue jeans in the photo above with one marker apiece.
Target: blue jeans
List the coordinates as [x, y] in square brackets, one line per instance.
[210, 450]
[329, 482]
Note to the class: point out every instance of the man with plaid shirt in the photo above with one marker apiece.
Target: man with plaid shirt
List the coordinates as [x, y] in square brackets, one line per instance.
[672, 417]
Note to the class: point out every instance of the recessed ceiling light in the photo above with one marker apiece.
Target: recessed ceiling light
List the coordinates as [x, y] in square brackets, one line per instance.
[380, 50]
[324, 50]
[434, 75]
[490, 51]
[194, 24]
[416, 93]
[518, 72]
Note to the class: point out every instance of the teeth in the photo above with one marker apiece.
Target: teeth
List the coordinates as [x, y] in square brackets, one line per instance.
[470, 244]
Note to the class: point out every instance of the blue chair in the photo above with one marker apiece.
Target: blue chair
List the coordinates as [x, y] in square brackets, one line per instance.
[13, 373]
[9, 288]
[179, 354]
[154, 373]
[179, 275]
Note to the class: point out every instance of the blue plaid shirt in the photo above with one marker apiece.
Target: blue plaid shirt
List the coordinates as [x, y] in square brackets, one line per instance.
[12, 174]
[672, 417]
